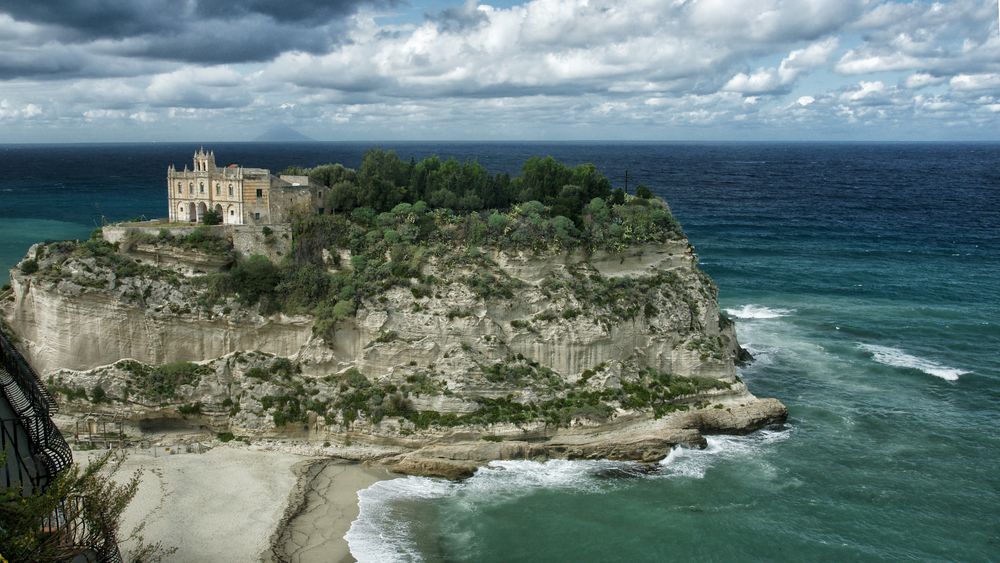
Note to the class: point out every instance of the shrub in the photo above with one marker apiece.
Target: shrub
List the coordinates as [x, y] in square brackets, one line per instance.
[254, 279]
[29, 267]
[98, 395]
[225, 436]
[257, 373]
[211, 217]
[161, 383]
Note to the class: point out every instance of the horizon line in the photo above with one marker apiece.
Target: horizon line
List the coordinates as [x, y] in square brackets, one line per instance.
[531, 141]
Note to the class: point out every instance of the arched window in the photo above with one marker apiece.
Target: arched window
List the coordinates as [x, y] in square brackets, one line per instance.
[180, 188]
[218, 188]
[191, 187]
[201, 187]
[230, 189]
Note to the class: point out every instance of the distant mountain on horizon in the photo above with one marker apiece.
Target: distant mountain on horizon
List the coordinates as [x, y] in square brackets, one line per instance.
[282, 134]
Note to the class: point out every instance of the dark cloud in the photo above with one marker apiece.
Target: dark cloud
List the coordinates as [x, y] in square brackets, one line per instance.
[210, 31]
[297, 11]
[458, 19]
[91, 19]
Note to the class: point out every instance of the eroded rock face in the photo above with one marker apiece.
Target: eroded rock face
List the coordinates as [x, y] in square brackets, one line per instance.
[502, 326]
[62, 326]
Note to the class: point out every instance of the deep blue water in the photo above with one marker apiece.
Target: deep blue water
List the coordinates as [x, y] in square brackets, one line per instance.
[865, 277]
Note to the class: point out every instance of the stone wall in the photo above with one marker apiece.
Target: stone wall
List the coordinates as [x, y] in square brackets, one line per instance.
[247, 239]
[251, 239]
[116, 233]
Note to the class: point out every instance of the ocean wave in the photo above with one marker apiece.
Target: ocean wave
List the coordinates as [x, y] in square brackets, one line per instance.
[377, 534]
[758, 312]
[693, 463]
[383, 533]
[895, 357]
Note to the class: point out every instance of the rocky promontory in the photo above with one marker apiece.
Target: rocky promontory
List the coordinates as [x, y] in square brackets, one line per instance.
[443, 340]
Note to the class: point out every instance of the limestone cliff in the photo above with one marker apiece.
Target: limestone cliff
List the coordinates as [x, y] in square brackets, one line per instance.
[489, 354]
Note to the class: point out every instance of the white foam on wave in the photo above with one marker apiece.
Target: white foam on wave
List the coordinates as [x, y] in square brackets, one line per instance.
[895, 357]
[693, 463]
[758, 312]
[376, 534]
[379, 534]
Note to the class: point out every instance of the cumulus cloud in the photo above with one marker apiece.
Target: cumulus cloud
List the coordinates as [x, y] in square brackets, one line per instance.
[469, 68]
[779, 80]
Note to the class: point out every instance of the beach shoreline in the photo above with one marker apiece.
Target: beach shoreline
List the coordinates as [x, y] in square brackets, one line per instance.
[234, 503]
[320, 510]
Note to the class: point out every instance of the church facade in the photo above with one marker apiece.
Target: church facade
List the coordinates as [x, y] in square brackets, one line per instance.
[240, 195]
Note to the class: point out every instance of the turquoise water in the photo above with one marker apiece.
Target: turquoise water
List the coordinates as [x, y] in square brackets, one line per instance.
[864, 278]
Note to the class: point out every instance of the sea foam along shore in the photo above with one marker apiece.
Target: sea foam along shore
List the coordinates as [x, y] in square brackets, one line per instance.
[231, 502]
[385, 533]
[321, 510]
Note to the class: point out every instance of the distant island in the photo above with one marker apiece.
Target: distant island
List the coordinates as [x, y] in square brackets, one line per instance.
[282, 134]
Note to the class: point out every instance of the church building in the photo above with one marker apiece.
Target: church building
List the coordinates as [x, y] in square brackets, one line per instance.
[241, 196]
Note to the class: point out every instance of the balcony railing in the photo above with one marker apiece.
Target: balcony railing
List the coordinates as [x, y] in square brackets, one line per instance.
[37, 453]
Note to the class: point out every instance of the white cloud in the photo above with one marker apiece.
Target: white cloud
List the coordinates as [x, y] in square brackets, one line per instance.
[864, 91]
[922, 80]
[967, 82]
[544, 65]
[13, 112]
[861, 62]
[808, 58]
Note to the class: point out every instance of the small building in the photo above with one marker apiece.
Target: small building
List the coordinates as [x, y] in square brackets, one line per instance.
[240, 195]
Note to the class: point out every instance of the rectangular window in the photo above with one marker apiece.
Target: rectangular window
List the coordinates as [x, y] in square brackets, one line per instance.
[260, 194]
[256, 215]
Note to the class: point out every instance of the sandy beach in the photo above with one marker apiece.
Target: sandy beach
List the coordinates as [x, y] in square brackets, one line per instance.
[230, 503]
[321, 512]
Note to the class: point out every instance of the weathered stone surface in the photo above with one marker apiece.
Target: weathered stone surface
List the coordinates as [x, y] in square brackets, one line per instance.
[441, 344]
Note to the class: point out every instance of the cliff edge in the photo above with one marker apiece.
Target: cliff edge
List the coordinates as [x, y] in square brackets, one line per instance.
[444, 343]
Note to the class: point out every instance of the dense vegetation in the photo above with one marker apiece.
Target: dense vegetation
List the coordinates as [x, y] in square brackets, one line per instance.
[349, 397]
[390, 216]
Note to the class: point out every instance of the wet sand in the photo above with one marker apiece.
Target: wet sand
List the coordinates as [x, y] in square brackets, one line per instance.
[321, 512]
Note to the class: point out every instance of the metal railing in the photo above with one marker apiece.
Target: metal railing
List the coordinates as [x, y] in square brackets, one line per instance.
[48, 455]
[33, 406]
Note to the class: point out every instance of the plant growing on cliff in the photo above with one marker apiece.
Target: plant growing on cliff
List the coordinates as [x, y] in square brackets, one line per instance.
[89, 497]
[161, 383]
[29, 267]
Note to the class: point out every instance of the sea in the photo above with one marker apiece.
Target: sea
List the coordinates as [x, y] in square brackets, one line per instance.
[864, 278]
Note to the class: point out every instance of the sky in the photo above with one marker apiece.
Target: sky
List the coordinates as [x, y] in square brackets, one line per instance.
[548, 70]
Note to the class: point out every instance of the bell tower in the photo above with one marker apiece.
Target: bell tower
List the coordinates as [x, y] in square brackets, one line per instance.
[204, 161]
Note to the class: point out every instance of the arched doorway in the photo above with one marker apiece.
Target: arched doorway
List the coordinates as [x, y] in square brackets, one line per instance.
[192, 213]
[218, 213]
[202, 208]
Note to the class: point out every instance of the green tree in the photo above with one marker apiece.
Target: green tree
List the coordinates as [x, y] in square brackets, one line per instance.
[254, 278]
[211, 217]
[332, 174]
[383, 178]
[343, 197]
